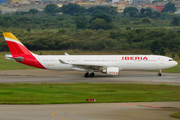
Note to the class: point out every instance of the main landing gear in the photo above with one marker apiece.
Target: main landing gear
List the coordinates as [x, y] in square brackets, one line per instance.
[159, 73]
[86, 75]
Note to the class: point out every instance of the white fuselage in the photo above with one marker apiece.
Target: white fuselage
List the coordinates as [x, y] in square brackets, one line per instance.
[123, 62]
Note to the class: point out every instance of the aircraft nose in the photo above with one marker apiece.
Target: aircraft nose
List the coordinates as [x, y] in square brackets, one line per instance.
[176, 63]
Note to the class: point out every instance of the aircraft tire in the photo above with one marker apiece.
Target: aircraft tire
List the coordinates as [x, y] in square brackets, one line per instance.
[159, 74]
[92, 75]
[86, 75]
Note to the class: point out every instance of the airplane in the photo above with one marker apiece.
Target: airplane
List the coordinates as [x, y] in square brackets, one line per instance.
[108, 64]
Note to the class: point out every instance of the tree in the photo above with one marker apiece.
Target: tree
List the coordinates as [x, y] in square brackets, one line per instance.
[98, 12]
[81, 22]
[155, 46]
[71, 9]
[173, 55]
[155, 14]
[162, 51]
[132, 11]
[175, 21]
[102, 10]
[98, 24]
[169, 7]
[106, 18]
[4, 23]
[148, 11]
[51, 9]
[80, 18]
[33, 11]
[142, 11]
[179, 55]
[62, 31]
[146, 20]
[29, 29]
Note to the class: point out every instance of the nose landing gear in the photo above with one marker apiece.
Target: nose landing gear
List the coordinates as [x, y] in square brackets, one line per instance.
[159, 73]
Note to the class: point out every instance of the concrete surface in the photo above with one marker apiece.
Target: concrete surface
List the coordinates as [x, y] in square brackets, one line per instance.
[96, 111]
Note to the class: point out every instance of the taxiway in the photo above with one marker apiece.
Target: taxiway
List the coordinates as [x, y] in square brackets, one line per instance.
[95, 111]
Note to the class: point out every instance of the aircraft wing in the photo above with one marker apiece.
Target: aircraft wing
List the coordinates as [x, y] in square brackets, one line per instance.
[84, 65]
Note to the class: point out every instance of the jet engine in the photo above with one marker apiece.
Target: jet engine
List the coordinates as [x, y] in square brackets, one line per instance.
[111, 71]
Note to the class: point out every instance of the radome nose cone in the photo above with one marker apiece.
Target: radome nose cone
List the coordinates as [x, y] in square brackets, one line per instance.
[176, 63]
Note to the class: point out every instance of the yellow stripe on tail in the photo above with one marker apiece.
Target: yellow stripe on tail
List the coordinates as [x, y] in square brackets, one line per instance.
[11, 36]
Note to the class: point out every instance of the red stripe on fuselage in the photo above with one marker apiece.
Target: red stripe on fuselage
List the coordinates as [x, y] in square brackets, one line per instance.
[18, 50]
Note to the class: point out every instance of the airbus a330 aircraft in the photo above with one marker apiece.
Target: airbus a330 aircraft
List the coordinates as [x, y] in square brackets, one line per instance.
[108, 64]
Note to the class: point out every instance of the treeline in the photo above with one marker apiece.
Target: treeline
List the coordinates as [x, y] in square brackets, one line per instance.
[158, 41]
[74, 16]
[99, 17]
[96, 28]
[36, 21]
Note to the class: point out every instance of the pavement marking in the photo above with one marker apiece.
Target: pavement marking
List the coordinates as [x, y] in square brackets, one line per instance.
[29, 116]
[154, 106]
[120, 104]
[77, 109]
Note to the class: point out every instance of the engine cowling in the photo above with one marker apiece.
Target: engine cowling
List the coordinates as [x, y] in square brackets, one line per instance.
[111, 71]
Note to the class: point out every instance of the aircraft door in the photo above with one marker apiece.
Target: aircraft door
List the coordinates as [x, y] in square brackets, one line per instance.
[161, 60]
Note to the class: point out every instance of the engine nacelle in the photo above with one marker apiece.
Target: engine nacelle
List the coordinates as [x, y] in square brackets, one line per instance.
[111, 71]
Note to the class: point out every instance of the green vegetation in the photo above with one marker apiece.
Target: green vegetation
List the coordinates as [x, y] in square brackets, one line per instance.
[63, 39]
[169, 7]
[99, 28]
[52, 9]
[72, 9]
[78, 93]
[176, 115]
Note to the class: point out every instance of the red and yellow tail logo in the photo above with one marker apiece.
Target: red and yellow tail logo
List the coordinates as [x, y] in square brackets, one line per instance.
[15, 46]
[20, 53]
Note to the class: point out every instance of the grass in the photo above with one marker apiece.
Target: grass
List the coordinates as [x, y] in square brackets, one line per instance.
[22, 93]
[176, 115]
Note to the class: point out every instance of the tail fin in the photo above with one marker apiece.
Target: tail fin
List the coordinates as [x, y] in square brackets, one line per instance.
[15, 46]
[20, 53]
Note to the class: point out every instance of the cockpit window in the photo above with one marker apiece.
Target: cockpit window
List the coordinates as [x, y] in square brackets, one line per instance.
[171, 60]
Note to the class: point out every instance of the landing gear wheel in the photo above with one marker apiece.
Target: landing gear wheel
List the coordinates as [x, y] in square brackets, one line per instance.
[86, 75]
[92, 75]
[159, 74]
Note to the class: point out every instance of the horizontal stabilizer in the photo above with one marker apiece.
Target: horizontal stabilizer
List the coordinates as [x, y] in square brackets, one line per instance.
[9, 57]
